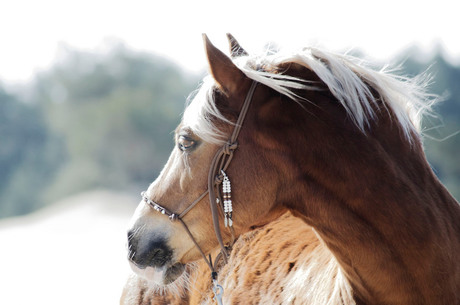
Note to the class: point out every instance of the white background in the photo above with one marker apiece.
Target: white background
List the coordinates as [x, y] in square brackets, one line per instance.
[31, 32]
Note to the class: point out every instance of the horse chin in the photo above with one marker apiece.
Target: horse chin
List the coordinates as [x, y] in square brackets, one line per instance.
[173, 273]
[159, 276]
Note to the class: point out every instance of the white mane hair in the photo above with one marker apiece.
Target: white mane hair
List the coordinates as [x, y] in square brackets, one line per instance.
[348, 78]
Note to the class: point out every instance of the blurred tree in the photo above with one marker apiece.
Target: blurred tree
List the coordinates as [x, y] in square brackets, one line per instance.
[29, 156]
[117, 114]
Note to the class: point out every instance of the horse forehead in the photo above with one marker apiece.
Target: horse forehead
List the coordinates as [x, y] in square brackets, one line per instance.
[199, 103]
[190, 116]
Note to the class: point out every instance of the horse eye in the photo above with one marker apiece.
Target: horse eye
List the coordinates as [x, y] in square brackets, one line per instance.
[185, 143]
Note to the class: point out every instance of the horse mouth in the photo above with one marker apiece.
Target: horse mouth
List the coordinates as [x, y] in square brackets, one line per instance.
[173, 273]
[161, 276]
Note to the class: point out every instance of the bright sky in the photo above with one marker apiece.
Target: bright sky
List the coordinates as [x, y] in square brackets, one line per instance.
[31, 32]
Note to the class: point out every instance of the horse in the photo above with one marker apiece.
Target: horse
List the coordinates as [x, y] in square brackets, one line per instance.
[267, 265]
[325, 137]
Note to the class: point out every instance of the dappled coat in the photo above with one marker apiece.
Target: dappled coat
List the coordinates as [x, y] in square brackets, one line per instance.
[283, 262]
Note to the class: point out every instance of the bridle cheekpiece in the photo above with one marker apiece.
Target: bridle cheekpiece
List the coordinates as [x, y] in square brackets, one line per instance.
[216, 177]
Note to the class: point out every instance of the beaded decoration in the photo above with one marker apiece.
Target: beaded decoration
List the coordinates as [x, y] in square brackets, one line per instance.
[227, 198]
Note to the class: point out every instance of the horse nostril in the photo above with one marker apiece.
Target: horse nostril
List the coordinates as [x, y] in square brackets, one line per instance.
[159, 256]
[144, 254]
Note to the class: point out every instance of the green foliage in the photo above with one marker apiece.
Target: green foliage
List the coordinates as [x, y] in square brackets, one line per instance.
[29, 156]
[117, 114]
[94, 121]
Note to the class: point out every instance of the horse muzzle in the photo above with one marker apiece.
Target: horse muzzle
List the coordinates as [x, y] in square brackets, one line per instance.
[152, 259]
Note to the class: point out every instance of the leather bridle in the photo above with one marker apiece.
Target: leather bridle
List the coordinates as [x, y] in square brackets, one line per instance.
[216, 175]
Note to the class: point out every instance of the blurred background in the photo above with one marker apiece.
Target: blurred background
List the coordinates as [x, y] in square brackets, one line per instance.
[90, 93]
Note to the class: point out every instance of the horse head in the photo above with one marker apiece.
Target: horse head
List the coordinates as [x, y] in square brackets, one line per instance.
[159, 247]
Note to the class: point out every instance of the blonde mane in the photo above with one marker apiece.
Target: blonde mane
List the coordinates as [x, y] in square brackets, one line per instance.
[348, 78]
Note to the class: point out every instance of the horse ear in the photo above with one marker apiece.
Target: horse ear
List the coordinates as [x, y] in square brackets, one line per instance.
[225, 72]
[235, 49]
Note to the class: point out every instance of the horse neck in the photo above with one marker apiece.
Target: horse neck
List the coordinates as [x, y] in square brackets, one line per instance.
[377, 205]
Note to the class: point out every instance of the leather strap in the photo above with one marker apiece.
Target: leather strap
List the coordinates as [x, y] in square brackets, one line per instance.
[219, 164]
[221, 161]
